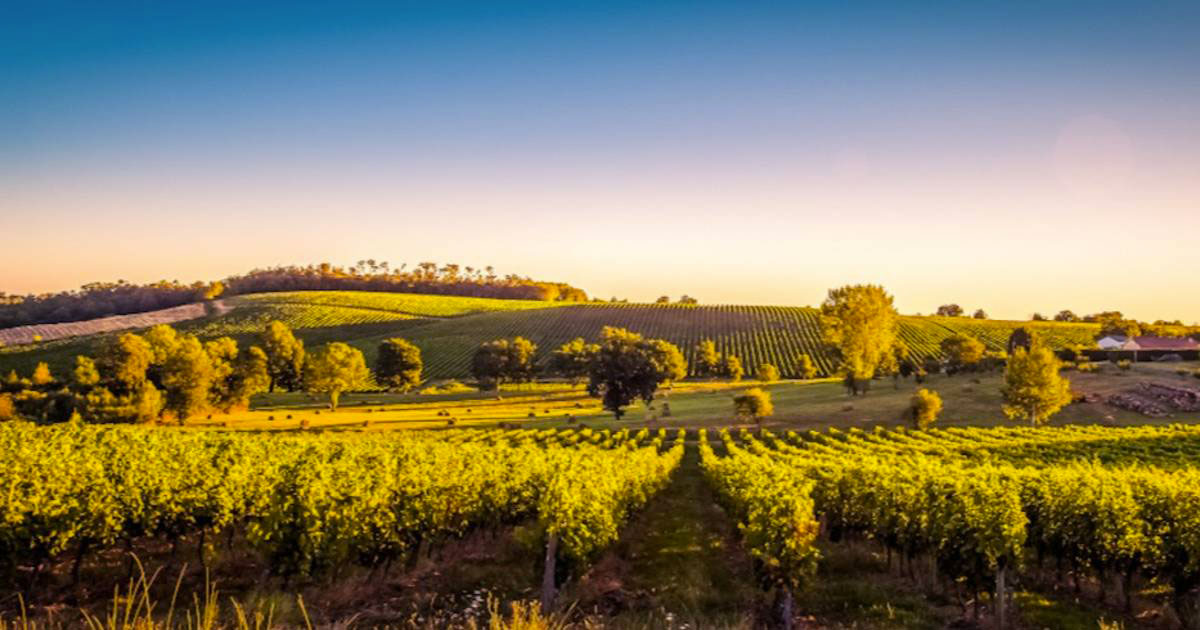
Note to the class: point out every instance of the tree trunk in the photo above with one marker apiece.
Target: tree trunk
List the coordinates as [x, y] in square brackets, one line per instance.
[783, 608]
[1000, 595]
[548, 590]
[1187, 607]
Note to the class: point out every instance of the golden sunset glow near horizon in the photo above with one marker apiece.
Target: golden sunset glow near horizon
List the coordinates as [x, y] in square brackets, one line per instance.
[1014, 158]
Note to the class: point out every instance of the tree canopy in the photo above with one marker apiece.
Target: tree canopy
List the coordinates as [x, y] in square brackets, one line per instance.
[1033, 387]
[398, 365]
[627, 367]
[861, 324]
[335, 369]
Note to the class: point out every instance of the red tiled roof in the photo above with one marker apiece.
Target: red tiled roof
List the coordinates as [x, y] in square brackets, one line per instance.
[1166, 343]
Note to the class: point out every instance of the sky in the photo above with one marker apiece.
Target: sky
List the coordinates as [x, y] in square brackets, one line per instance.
[1010, 156]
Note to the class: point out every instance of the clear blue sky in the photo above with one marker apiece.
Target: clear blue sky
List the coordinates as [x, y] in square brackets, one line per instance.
[991, 153]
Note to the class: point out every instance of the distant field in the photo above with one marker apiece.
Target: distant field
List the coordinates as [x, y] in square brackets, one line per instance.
[756, 334]
[448, 329]
[49, 332]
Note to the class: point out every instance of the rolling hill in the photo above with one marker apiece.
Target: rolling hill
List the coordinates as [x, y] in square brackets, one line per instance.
[448, 328]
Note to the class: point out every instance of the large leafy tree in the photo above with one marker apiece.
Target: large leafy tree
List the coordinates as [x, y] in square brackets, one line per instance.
[572, 360]
[950, 310]
[963, 351]
[398, 365]
[628, 368]
[126, 360]
[187, 377]
[335, 369]
[503, 360]
[860, 323]
[1034, 389]
[285, 356]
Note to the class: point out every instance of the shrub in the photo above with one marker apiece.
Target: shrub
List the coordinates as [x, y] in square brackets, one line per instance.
[754, 403]
[305, 424]
[767, 373]
[926, 405]
[1125, 365]
[9, 412]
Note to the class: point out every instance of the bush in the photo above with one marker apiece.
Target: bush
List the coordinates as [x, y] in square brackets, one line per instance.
[9, 412]
[767, 373]
[1087, 367]
[754, 403]
[925, 407]
[1125, 365]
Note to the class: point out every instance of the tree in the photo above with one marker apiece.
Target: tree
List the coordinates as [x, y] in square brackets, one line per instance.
[766, 373]
[1020, 338]
[708, 360]
[398, 365]
[754, 403]
[187, 378]
[572, 360]
[805, 368]
[1037, 317]
[1034, 388]
[285, 356]
[1066, 315]
[126, 360]
[731, 368]
[85, 375]
[980, 314]
[689, 300]
[925, 407]
[503, 360]
[860, 323]
[41, 375]
[963, 351]
[663, 299]
[237, 375]
[950, 310]
[1114, 323]
[627, 368]
[335, 369]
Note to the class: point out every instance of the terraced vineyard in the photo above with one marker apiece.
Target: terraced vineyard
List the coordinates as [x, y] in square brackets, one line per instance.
[448, 329]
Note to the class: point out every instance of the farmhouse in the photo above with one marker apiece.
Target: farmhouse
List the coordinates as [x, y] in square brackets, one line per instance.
[1112, 342]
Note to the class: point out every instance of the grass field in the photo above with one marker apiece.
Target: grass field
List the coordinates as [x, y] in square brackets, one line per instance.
[448, 329]
[969, 400]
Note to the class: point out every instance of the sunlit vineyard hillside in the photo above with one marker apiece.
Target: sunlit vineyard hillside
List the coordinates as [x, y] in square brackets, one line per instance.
[448, 328]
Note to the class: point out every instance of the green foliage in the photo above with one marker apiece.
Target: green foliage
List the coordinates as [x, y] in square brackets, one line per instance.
[1034, 389]
[962, 351]
[7, 410]
[731, 368]
[925, 407]
[627, 368]
[285, 356]
[774, 510]
[754, 403]
[861, 324]
[334, 369]
[126, 360]
[805, 368]
[85, 374]
[187, 378]
[398, 365]
[706, 361]
[766, 373]
[503, 361]
[949, 310]
[41, 375]
[572, 360]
